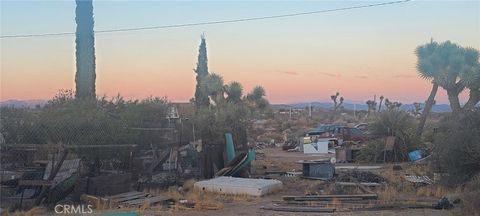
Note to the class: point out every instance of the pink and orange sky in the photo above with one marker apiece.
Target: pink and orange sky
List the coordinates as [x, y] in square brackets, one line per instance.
[359, 53]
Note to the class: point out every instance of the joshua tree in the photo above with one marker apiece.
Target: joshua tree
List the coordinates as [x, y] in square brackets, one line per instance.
[417, 109]
[214, 88]
[234, 92]
[392, 105]
[380, 104]
[451, 67]
[256, 98]
[471, 78]
[85, 50]
[372, 105]
[336, 104]
[201, 94]
[258, 92]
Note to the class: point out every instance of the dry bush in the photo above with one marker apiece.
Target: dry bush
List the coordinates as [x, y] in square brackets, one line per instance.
[373, 151]
[471, 198]
[457, 149]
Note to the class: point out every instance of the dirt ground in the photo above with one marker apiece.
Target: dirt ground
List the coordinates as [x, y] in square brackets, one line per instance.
[274, 159]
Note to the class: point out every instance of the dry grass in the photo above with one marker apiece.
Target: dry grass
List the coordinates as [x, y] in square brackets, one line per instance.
[432, 191]
[388, 193]
[201, 200]
[471, 197]
[32, 212]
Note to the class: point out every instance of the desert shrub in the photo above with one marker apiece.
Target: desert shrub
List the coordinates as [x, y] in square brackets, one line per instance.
[69, 121]
[457, 147]
[470, 197]
[373, 151]
[393, 123]
[18, 125]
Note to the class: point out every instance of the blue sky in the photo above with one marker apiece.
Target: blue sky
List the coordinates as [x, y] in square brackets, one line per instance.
[359, 52]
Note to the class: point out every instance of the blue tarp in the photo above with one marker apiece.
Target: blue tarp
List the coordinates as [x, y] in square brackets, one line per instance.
[415, 155]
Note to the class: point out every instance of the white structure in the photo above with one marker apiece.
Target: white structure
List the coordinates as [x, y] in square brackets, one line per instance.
[314, 145]
[239, 186]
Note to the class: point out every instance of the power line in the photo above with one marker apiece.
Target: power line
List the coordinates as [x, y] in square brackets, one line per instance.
[210, 22]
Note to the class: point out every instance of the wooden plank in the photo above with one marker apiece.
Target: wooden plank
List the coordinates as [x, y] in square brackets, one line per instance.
[122, 195]
[102, 146]
[330, 202]
[128, 198]
[275, 172]
[324, 199]
[55, 146]
[150, 200]
[349, 204]
[300, 209]
[368, 184]
[52, 175]
[157, 161]
[394, 206]
[320, 197]
[35, 183]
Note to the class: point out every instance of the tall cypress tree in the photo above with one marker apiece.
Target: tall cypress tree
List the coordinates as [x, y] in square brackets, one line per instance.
[85, 50]
[201, 97]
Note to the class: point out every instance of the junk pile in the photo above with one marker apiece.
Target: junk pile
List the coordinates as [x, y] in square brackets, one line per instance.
[236, 165]
[43, 184]
[163, 168]
[227, 180]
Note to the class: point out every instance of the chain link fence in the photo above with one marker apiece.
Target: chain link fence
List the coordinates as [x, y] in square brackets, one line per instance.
[50, 155]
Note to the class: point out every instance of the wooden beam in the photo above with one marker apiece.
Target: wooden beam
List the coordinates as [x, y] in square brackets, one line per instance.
[322, 197]
[300, 209]
[368, 184]
[35, 183]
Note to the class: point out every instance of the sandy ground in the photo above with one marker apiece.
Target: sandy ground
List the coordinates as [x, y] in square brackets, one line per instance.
[275, 159]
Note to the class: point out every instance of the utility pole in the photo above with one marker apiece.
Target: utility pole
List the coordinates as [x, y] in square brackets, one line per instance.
[310, 110]
[354, 110]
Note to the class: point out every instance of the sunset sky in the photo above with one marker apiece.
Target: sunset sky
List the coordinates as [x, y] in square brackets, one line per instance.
[360, 53]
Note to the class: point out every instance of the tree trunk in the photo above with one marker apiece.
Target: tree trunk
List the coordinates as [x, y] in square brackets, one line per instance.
[454, 101]
[428, 107]
[381, 100]
[473, 99]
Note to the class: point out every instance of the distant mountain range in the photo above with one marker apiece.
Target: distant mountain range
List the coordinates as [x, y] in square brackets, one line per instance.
[22, 103]
[354, 105]
[351, 105]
